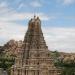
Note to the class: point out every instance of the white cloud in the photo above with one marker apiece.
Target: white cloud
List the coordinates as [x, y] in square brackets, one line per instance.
[14, 16]
[11, 31]
[61, 39]
[4, 8]
[33, 3]
[8, 14]
[36, 3]
[67, 2]
[3, 4]
[29, 15]
[22, 5]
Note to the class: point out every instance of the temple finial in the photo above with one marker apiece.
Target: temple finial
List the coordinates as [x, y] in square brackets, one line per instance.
[34, 16]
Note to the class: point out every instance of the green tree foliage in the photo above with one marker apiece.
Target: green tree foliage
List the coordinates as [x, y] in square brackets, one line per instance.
[55, 54]
[67, 68]
[6, 63]
[68, 71]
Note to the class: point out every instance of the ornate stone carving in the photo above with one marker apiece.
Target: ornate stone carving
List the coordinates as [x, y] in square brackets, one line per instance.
[35, 58]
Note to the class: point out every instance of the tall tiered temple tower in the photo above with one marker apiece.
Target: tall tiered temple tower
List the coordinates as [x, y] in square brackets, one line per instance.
[34, 57]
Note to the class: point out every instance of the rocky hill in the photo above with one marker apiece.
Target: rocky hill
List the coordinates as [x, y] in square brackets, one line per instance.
[11, 48]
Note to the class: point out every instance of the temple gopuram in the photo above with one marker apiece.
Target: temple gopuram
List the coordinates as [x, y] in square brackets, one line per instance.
[34, 57]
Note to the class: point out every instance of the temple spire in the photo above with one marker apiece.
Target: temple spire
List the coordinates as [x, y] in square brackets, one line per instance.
[35, 57]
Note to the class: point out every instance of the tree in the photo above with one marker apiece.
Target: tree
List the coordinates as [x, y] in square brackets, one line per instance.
[6, 63]
[67, 68]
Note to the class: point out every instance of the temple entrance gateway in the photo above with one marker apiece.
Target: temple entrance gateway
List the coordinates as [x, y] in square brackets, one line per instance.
[34, 58]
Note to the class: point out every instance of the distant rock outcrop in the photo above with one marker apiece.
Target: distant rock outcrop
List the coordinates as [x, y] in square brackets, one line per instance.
[67, 57]
[12, 47]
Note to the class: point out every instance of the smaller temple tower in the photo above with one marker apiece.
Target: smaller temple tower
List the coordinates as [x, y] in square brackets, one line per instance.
[34, 58]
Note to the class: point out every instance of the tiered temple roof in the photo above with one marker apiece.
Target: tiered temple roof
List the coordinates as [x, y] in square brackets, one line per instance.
[34, 57]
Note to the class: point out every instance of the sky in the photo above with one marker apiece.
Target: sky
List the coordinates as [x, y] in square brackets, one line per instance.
[57, 16]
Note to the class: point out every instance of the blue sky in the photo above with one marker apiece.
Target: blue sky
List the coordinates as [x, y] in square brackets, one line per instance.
[57, 16]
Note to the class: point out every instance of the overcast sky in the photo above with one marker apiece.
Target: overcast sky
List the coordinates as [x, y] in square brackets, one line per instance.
[57, 16]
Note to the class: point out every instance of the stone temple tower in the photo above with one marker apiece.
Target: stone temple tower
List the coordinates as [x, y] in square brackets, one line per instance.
[34, 57]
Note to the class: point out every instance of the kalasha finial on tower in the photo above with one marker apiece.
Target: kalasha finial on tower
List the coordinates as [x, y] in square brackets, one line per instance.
[34, 16]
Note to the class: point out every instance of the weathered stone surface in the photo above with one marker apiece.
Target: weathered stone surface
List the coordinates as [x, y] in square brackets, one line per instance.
[34, 57]
[12, 47]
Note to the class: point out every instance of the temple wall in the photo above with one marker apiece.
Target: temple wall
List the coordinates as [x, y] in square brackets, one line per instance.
[44, 71]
